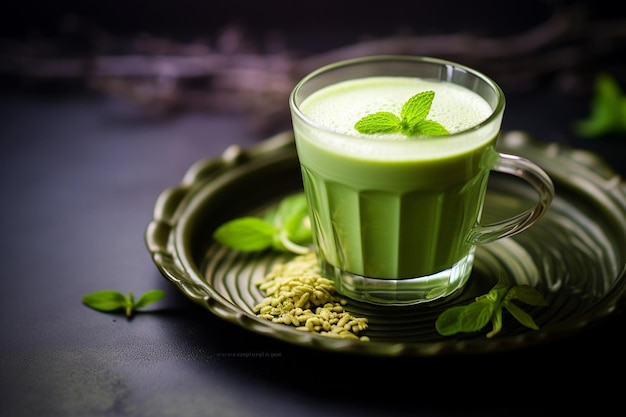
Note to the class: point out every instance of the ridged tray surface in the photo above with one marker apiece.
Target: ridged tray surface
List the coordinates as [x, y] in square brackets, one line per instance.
[575, 255]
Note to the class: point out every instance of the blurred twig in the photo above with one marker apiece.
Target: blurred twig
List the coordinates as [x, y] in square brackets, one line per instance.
[233, 74]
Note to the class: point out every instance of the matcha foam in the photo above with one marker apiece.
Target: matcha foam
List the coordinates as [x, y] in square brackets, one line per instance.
[338, 107]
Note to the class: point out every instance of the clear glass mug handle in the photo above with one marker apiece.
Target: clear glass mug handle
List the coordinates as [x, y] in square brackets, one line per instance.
[533, 175]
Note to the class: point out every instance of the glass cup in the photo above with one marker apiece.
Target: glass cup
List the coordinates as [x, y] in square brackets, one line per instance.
[396, 219]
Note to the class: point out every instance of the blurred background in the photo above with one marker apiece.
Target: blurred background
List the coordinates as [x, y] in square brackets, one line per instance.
[244, 56]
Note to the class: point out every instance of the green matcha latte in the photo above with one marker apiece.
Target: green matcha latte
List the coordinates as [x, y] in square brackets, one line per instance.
[392, 208]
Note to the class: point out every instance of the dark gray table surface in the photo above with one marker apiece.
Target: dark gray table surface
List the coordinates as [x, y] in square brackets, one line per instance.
[79, 177]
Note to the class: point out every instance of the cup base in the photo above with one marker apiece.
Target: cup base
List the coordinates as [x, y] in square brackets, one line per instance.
[401, 292]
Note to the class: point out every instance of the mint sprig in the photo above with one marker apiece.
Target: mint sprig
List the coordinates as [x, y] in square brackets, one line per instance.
[111, 300]
[488, 307]
[411, 122]
[285, 228]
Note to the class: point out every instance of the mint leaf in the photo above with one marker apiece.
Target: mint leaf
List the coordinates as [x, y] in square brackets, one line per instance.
[105, 300]
[381, 122]
[476, 315]
[488, 307]
[417, 108]
[526, 294]
[520, 315]
[429, 128]
[411, 122]
[607, 110]
[247, 234]
[292, 216]
[468, 318]
[284, 228]
[149, 297]
[111, 301]
[448, 322]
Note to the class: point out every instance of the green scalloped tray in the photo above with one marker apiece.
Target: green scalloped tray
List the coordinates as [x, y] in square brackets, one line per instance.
[575, 255]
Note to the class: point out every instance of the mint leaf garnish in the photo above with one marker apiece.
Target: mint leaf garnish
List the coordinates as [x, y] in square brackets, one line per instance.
[429, 128]
[285, 228]
[111, 300]
[381, 122]
[416, 108]
[488, 307]
[411, 122]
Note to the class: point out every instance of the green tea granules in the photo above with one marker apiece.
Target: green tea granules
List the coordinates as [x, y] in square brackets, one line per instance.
[299, 296]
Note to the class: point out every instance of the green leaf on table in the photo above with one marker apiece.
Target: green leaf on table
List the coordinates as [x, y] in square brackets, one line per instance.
[112, 301]
[149, 297]
[105, 300]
